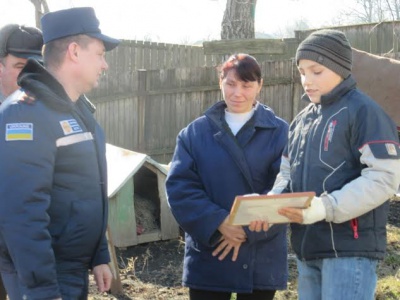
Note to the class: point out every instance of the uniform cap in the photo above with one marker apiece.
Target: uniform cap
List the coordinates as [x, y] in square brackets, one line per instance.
[21, 41]
[78, 20]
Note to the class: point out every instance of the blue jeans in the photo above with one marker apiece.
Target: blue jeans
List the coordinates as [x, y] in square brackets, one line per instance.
[213, 295]
[352, 278]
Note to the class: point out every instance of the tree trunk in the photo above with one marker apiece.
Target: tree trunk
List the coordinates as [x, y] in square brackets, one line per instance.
[41, 8]
[238, 21]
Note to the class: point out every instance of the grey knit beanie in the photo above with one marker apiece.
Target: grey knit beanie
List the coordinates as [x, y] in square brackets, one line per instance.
[329, 48]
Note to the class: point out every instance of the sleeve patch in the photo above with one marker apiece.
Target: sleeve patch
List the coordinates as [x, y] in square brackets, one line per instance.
[19, 132]
[70, 126]
[385, 150]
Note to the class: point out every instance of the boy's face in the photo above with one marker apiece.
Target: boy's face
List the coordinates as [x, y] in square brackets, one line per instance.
[317, 80]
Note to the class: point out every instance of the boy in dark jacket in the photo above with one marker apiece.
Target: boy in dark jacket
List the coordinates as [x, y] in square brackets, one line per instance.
[344, 147]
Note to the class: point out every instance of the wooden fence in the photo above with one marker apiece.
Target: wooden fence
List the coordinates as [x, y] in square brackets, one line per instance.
[147, 115]
[151, 56]
[153, 90]
[377, 38]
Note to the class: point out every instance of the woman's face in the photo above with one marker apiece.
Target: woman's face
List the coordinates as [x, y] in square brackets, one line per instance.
[239, 96]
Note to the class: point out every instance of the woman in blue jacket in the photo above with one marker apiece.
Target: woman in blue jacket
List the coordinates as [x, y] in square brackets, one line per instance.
[233, 149]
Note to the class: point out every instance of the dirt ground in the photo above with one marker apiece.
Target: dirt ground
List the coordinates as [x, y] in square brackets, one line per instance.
[153, 270]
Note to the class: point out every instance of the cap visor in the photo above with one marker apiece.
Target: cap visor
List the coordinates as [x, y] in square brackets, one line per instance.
[109, 42]
[27, 55]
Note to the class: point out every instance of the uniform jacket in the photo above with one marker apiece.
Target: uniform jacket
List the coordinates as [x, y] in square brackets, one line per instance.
[53, 204]
[209, 168]
[345, 149]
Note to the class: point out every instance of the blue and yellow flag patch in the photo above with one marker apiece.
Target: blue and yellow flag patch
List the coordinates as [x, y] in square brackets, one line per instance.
[19, 132]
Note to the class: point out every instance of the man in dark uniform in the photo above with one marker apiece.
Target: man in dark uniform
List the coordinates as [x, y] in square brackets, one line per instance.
[53, 204]
[17, 44]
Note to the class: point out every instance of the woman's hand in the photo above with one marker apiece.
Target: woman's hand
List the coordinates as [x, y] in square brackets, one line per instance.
[234, 233]
[258, 225]
[225, 246]
[232, 238]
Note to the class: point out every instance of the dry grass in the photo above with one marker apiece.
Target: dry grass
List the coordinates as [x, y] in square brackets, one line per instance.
[388, 287]
[153, 271]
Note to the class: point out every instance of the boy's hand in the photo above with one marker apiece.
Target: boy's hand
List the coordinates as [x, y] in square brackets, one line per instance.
[316, 212]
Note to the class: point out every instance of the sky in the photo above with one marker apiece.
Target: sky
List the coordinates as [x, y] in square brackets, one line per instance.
[179, 21]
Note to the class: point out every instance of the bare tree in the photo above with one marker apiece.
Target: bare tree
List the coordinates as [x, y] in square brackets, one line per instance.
[393, 8]
[297, 24]
[370, 11]
[41, 8]
[238, 20]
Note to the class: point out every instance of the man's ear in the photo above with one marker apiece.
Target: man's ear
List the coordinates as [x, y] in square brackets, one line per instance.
[1, 69]
[73, 51]
[1, 76]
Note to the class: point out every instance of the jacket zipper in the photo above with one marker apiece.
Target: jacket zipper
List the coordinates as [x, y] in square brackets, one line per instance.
[354, 226]
[304, 177]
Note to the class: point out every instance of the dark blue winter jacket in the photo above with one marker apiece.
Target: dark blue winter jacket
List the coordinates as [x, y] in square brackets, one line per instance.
[346, 150]
[53, 204]
[209, 168]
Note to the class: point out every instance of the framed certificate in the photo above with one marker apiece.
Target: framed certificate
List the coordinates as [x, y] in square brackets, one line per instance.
[265, 207]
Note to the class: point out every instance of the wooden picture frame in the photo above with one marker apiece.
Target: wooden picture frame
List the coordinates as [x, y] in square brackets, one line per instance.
[265, 207]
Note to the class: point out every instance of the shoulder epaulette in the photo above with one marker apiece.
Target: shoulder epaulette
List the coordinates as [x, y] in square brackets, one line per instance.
[27, 98]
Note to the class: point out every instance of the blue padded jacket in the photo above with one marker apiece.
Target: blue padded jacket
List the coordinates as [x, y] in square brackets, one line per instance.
[209, 168]
[53, 204]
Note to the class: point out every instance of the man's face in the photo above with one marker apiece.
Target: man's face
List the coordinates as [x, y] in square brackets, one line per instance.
[10, 67]
[93, 64]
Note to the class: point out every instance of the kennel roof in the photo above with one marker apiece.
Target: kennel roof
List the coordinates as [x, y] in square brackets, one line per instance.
[122, 164]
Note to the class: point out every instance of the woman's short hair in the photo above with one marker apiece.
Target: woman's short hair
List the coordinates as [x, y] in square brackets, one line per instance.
[245, 66]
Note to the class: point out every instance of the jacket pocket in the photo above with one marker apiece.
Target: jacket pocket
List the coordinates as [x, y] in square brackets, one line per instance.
[60, 211]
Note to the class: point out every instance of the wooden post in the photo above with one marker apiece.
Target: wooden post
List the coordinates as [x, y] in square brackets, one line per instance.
[116, 285]
[142, 96]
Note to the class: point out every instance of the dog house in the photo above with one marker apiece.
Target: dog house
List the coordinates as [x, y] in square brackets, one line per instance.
[138, 208]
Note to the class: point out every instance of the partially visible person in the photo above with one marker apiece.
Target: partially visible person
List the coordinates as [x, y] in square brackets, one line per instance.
[53, 204]
[3, 293]
[233, 149]
[345, 148]
[17, 44]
